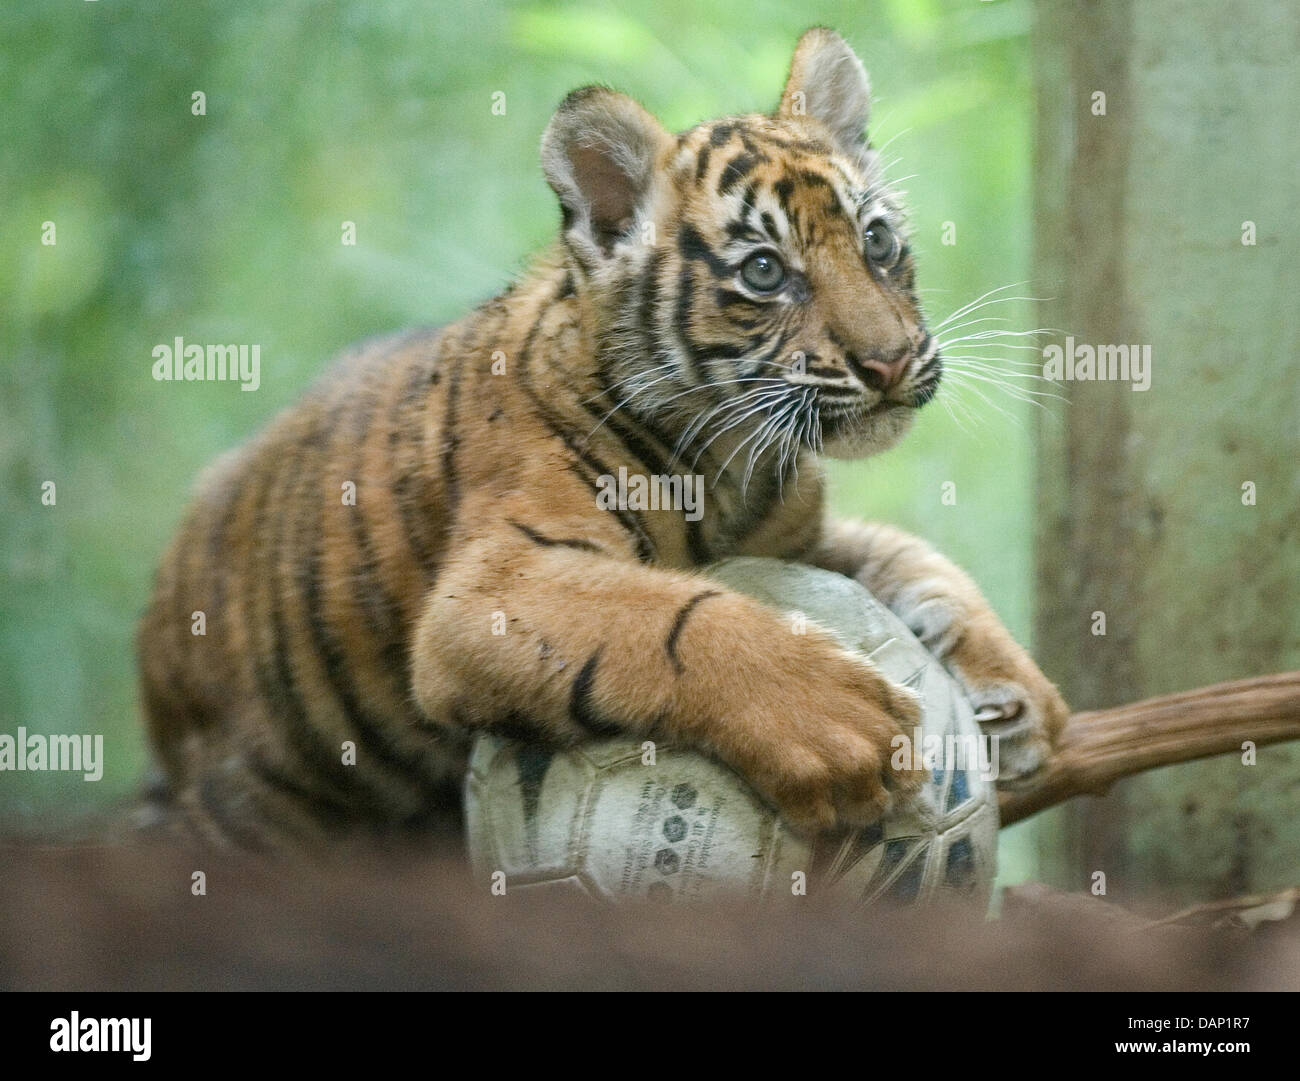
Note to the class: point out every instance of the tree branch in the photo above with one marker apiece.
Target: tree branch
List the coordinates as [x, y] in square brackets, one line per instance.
[1099, 747]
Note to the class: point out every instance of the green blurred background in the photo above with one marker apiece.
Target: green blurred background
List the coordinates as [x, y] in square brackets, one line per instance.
[226, 228]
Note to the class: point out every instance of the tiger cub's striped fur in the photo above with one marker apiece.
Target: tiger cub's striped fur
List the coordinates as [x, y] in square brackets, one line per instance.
[725, 303]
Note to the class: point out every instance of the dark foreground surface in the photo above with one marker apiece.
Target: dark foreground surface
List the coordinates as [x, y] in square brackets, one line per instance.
[124, 918]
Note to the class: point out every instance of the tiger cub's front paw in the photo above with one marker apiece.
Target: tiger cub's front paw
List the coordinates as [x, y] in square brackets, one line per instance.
[815, 739]
[1012, 699]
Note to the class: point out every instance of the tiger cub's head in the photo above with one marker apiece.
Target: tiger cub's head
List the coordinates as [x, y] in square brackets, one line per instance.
[752, 273]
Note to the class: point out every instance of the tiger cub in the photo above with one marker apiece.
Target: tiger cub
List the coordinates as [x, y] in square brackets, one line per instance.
[439, 538]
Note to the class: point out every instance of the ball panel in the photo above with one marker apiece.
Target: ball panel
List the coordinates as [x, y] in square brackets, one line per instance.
[528, 803]
[684, 828]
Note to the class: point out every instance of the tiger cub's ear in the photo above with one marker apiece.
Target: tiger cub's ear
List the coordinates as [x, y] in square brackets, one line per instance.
[828, 83]
[600, 154]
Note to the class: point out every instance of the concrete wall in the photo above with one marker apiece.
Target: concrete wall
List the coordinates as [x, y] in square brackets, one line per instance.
[1141, 216]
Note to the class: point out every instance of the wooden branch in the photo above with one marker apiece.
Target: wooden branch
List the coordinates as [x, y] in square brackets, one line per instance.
[1100, 746]
[1248, 911]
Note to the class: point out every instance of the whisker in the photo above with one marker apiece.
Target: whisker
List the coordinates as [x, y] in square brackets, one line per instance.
[994, 333]
[728, 405]
[1024, 394]
[625, 401]
[772, 398]
[989, 402]
[1020, 394]
[885, 145]
[973, 304]
[948, 401]
[641, 374]
[778, 430]
[984, 364]
[739, 446]
[991, 345]
[984, 301]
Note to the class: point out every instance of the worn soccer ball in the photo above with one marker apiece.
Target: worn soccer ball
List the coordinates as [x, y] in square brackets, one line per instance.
[623, 820]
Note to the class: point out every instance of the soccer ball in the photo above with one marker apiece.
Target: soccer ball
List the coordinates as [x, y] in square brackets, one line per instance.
[622, 819]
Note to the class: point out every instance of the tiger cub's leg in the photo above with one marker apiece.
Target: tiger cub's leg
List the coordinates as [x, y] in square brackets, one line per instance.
[945, 609]
[571, 643]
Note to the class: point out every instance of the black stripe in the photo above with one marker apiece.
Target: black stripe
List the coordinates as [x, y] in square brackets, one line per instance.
[371, 733]
[259, 629]
[816, 180]
[925, 391]
[742, 230]
[534, 328]
[324, 759]
[783, 189]
[519, 728]
[738, 168]
[580, 707]
[646, 322]
[726, 350]
[747, 201]
[216, 562]
[778, 347]
[725, 298]
[835, 339]
[694, 248]
[550, 542]
[762, 493]
[381, 611]
[631, 522]
[679, 621]
[323, 807]
[805, 146]
[227, 507]
[274, 675]
[720, 133]
[702, 162]
[684, 303]
[451, 442]
[409, 490]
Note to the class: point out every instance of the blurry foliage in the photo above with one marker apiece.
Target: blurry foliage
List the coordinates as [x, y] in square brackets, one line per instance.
[226, 228]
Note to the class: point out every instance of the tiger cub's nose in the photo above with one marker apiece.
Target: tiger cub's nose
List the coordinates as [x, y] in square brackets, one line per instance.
[878, 372]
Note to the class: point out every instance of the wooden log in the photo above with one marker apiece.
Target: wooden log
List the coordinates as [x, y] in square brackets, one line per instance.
[1100, 746]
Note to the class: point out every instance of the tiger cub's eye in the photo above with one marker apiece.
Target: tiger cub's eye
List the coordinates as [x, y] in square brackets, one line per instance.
[763, 272]
[882, 243]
